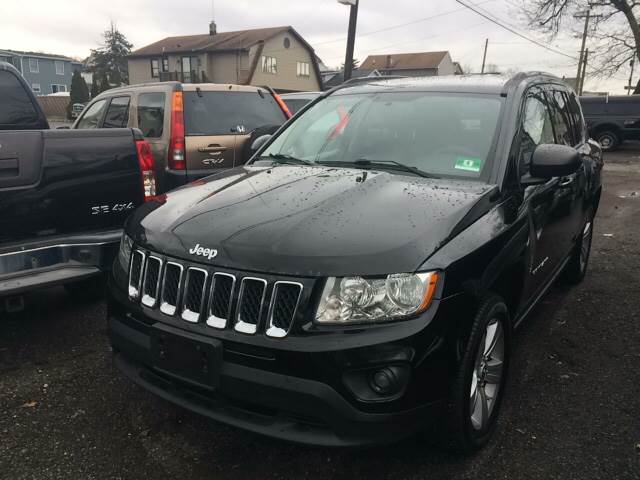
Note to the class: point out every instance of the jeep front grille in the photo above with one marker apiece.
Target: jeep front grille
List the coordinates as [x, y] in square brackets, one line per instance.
[220, 300]
[194, 288]
[135, 274]
[284, 304]
[151, 282]
[250, 303]
[171, 285]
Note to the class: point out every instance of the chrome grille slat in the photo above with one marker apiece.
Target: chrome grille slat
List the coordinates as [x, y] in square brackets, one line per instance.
[250, 304]
[283, 307]
[151, 282]
[136, 269]
[194, 292]
[171, 287]
[220, 300]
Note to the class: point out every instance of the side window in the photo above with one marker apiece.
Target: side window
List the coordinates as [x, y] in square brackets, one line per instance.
[151, 114]
[118, 113]
[16, 107]
[536, 127]
[577, 119]
[561, 118]
[93, 114]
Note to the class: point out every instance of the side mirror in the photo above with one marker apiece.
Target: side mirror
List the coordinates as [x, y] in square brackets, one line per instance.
[550, 160]
[259, 142]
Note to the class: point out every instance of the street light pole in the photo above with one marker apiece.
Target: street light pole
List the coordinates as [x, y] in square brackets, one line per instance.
[351, 40]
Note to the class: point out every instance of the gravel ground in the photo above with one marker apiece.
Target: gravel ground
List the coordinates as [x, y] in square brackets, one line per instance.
[571, 410]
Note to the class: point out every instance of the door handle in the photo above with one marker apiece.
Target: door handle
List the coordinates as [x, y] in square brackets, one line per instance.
[212, 149]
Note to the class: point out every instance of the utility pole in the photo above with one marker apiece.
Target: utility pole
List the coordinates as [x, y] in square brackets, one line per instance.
[484, 57]
[582, 62]
[586, 17]
[351, 39]
[584, 71]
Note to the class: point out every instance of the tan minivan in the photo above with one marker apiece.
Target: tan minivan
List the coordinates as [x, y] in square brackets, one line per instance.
[194, 129]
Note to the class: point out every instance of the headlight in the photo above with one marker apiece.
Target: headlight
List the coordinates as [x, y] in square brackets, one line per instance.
[124, 254]
[360, 300]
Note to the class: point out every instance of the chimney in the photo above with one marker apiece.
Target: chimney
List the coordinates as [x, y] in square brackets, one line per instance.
[213, 28]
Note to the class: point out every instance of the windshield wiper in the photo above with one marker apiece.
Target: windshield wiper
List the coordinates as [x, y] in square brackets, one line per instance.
[285, 159]
[393, 165]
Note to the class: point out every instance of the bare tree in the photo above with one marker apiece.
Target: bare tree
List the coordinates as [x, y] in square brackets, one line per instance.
[614, 39]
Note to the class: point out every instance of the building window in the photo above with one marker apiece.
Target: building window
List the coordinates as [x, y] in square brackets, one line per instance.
[269, 65]
[303, 69]
[55, 88]
[59, 67]
[33, 65]
[155, 68]
[36, 88]
[165, 64]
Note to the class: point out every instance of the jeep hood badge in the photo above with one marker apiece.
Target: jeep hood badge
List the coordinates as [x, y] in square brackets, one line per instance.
[203, 252]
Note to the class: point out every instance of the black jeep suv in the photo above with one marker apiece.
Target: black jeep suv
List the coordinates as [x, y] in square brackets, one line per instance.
[361, 277]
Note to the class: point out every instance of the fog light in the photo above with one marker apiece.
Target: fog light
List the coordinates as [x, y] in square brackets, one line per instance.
[384, 381]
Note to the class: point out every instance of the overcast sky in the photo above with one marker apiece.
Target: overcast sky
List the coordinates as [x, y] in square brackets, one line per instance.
[73, 27]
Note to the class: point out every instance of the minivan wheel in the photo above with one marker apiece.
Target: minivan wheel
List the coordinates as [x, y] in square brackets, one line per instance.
[479, 385]
[608, 140]
[576, 269]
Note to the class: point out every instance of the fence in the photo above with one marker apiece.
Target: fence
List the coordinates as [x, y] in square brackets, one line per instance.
[54, 107]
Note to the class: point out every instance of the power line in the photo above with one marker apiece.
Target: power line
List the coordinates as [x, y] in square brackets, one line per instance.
[515, 32]
[393, 27]
[377, 49]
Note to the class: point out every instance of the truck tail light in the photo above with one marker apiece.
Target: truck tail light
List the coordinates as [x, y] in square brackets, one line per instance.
[283, 105]
[146, 162]
[176, 159]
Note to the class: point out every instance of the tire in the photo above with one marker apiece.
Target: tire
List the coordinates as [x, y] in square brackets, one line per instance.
[608, 140]
[480, 379]
[576, 269]
[89, 290]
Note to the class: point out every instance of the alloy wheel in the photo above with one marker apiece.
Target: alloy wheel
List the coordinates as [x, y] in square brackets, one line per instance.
[585, 245]
[487, 376]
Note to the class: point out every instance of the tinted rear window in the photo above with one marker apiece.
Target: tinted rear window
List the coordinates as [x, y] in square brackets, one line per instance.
[16, 107]
[221, 113]
[151, 114]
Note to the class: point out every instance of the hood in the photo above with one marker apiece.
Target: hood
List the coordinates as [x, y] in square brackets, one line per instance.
[309, 221]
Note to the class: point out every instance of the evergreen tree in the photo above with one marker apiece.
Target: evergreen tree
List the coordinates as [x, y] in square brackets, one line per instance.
[110, 60]
[79, 91]
[104, 84]
[95, 88]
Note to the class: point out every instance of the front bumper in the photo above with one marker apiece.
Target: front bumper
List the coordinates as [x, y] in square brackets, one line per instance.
[55, 261]
[274, 404]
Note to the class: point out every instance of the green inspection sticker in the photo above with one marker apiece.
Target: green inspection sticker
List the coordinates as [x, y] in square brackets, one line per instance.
[470, 164]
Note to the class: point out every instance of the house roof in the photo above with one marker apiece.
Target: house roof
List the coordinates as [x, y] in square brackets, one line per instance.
[221, 41]
[404, 61]
[338, 77]
[52, 56]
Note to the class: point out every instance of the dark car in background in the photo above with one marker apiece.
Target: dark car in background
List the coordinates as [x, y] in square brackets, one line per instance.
[360, 279]
[194, 129]
[612, 119]
[64, 196]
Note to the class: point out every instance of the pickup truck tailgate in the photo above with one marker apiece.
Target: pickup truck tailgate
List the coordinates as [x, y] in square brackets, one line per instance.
[61, 182]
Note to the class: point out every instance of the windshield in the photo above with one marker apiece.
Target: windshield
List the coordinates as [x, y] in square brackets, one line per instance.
[437, 133]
